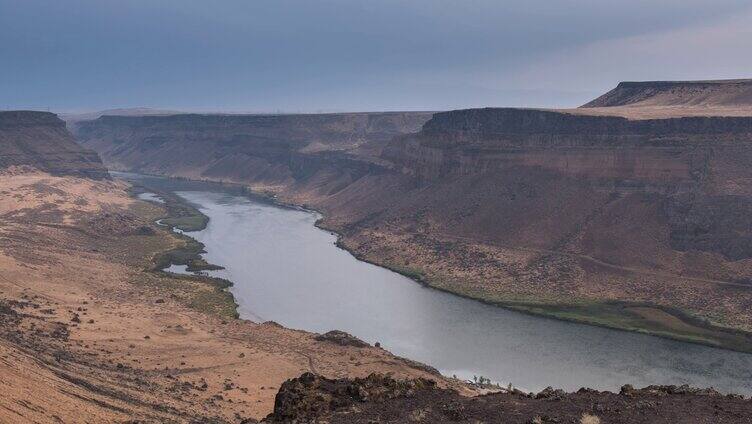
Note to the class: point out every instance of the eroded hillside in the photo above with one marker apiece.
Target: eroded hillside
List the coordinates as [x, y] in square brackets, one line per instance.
[564, 214]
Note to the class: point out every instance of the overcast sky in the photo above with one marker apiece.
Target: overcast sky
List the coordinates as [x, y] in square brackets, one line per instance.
[351, 55]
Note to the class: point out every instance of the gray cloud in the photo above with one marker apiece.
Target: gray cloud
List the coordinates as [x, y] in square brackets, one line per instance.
[353, 55]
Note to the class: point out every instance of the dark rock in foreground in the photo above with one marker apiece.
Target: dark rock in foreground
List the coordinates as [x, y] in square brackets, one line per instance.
[381, 399]
[341, 338]
[310, 397]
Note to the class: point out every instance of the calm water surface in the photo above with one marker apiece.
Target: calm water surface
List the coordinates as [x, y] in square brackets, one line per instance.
[289, 271]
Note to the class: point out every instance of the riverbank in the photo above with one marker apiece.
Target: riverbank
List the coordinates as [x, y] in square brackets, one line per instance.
[640, 317]
[181, 217]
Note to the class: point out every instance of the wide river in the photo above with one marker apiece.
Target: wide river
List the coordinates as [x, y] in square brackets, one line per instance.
[286, 270]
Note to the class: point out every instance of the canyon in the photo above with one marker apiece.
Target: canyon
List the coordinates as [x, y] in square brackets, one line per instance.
[633, 214]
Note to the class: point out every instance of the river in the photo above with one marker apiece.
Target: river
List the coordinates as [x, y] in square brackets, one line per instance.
[284, 269]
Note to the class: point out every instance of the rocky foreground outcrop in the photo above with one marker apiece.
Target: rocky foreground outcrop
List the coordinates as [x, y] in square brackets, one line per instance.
[40, 140]
[381, 399]
[310, 396]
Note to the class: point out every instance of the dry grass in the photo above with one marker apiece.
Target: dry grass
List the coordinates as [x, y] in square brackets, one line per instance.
[589, 419]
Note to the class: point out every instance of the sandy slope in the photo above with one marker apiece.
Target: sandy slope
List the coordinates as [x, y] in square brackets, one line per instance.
[87, 334]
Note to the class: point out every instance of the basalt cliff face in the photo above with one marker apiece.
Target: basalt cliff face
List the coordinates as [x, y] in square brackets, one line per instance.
[663, 153]
[630, 223]
[276, 150]
[691, 169]
[40, 140]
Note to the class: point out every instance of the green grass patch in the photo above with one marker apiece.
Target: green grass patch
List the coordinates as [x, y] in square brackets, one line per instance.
[182, 215]
[641, 317]
[200, 292]
[188, 254]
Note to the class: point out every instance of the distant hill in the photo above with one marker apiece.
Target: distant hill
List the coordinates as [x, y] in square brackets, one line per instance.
[236, 147]
[71, 118]
[41, 141]
[718, 93]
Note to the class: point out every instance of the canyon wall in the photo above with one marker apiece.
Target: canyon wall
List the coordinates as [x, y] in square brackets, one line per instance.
[629, 151]
[41, 141]
[273, 150]
[692, 169]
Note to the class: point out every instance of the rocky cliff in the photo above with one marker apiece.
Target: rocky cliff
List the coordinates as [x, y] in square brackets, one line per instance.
[41, 141]
[691, 166]
[276, 150]
[626, 151]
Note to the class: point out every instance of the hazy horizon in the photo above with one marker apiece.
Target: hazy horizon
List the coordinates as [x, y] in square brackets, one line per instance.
[337, 55]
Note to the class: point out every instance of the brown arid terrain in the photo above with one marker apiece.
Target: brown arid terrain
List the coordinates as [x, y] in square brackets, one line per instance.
[91, 332]
[632, 212]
